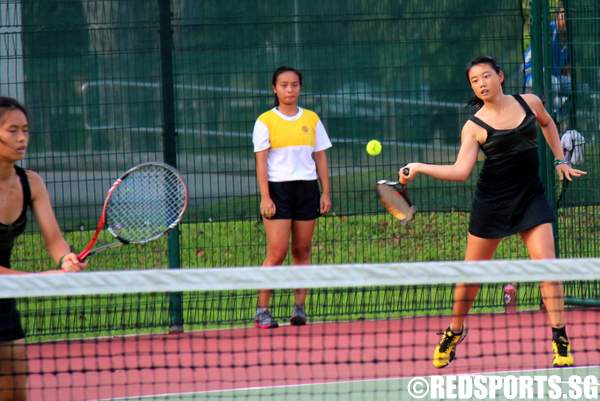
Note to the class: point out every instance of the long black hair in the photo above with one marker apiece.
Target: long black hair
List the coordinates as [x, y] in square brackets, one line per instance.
[280, 71]
[8, 103]
[475, 102]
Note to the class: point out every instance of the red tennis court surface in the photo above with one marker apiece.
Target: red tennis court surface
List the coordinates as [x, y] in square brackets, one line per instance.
[316, 353]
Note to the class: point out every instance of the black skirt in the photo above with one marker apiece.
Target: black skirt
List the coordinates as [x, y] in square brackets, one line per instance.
[489, 222]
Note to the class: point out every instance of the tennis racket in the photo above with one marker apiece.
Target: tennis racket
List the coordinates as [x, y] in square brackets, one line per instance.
[142, 205]
[394, 198]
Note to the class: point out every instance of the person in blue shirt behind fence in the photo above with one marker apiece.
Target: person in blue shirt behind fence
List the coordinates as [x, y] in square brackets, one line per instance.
[560, 68]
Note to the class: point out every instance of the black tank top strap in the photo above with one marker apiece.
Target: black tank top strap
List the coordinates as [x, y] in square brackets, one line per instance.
[25, 185]
[482, 124]
[524, 104]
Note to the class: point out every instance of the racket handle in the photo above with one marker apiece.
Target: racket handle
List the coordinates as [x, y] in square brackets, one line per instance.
[406, 171]
[86, 253]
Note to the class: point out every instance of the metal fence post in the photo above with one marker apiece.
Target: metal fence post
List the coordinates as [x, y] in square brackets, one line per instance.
[170, 146]
[541, 57]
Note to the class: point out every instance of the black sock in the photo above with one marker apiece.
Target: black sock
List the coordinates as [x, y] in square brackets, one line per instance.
[558, 332]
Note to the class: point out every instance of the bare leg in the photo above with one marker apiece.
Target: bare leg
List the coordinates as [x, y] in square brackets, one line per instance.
[302, 233]
[278, 239]
[540, 245]
[13, 371]
[464, 294]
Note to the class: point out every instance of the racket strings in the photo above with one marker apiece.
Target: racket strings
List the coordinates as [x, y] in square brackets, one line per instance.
[147, 203]
[392, 206]
[395, 203]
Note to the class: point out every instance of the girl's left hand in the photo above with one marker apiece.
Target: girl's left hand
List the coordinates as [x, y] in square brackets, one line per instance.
[325, 203]
[568, 172]
[70, 263]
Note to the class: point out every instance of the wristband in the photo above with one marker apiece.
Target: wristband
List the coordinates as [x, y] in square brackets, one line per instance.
[558, 162]
[61, 260]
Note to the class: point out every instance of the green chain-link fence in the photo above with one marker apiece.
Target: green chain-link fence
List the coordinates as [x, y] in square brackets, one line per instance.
[111, 83]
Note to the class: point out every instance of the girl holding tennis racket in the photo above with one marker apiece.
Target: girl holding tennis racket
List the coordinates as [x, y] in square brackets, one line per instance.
[509, 197]
[289, 143]
[20, 189]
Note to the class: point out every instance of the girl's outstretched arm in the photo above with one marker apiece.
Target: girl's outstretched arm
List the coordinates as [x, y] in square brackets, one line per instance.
[462, 167]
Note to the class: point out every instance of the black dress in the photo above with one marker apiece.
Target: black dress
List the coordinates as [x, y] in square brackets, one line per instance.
[509, 197]
[10, 322]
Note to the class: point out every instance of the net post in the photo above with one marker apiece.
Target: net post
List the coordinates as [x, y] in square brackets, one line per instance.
[175, 298]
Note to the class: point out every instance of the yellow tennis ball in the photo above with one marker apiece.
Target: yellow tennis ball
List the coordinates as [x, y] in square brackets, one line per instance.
[374, 147]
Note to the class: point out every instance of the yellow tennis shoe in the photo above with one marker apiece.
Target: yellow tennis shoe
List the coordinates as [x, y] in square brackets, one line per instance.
[445, 351]
[562, 353]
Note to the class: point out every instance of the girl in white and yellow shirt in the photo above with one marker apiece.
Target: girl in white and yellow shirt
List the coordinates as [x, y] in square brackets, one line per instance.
[289, 143]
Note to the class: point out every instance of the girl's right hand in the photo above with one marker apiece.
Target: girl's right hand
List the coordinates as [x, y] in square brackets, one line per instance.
[267, 208]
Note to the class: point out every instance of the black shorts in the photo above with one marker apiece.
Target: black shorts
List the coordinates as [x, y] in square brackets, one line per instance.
[10, 321]
[296, 200]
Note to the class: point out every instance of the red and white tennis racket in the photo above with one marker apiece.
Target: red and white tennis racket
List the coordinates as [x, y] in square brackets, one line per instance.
[142, 205]
[394, 198]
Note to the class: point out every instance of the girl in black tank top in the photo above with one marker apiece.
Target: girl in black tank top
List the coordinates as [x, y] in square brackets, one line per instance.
[10, 325]
[509, 197]
[19, 190]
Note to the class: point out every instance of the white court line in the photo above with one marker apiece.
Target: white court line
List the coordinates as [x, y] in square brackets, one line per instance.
[350, 382]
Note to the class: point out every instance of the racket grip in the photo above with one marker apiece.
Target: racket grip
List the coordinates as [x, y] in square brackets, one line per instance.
[406, 171]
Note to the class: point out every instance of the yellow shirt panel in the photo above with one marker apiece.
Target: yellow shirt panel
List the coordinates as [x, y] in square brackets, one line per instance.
[284, 133]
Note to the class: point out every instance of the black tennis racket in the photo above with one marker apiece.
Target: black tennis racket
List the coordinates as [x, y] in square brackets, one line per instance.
[394, 197]
[142, 205]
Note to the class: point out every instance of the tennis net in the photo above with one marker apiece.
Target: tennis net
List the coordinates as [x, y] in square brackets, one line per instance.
[371, 330]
